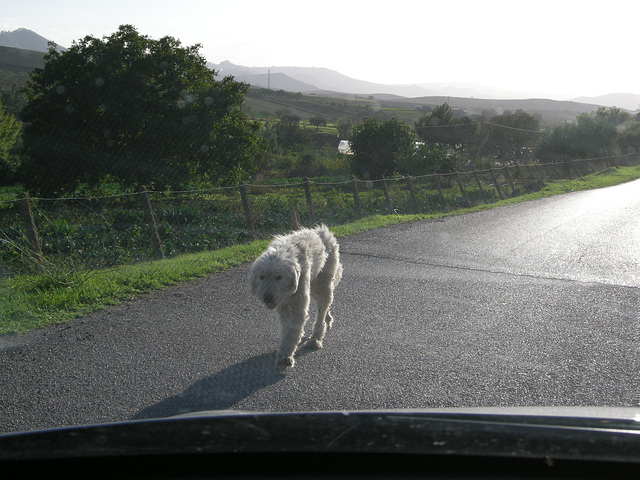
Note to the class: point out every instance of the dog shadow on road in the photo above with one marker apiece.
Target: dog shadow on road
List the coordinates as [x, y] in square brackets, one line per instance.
[220, 391]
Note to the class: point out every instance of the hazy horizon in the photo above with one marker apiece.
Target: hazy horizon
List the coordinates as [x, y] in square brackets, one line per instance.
[560, 49]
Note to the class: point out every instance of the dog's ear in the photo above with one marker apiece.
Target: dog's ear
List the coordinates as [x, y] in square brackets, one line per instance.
[253, 284]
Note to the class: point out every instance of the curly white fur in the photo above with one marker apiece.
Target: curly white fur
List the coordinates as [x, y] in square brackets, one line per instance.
[294, 268]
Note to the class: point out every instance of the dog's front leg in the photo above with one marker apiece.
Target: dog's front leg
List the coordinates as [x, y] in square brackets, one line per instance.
[290, 335]
[292, 320]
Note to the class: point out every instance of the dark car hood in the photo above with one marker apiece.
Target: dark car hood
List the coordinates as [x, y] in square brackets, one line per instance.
[610, 434]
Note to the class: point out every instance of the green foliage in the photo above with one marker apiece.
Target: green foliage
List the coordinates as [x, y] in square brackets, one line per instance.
[31, 301]
[13, 100]
[605, 132]
[9, 129]
[441, 128]
[431, 158]
[318, 121]
[344, 126]
[380, 147]
[143, 111]
[290, 135]
[511, 136]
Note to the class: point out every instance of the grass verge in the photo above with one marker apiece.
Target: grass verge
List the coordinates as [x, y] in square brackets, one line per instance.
[28, 302]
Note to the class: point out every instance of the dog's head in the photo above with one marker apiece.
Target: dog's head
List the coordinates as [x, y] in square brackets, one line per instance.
[273, 278]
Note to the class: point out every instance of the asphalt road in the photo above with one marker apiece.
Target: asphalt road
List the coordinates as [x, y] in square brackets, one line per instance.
[534, 304]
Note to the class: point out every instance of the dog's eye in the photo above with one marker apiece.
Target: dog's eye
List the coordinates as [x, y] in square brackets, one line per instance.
[278, 277]
[261, 277]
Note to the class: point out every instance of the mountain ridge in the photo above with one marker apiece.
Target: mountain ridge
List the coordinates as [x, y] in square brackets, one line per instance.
[25, 39]
[324, 80]
[631, 100]
[316, 79]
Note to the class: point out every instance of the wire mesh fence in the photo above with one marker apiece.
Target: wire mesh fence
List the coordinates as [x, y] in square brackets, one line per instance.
[99, 232]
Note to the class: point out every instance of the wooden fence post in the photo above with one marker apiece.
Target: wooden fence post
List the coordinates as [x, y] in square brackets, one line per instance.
[412, 193]
[586, 167]
[484, 196]
[246, 207]
[295, 223]
[495, 182]
[575, 165]
[447, 207]
[356, 198]
[307, 195]
[387, 198]
[508, 177]
[530, 172]
[32, 232]
[149, 216]
[464, 194]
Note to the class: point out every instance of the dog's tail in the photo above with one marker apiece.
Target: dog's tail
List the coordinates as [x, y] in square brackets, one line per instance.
[333, 252]
[328, 239]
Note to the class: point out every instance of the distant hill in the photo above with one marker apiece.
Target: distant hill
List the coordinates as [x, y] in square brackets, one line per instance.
[316, 80]
[275, 81]
[324, 80]
[313, 79]
[20, 60]
[22, 50]
[15, 65]
[552, 112]
[628, 101]
[25, 39]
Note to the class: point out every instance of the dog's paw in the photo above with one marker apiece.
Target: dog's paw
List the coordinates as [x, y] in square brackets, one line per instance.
[314, 344]
[284, 361]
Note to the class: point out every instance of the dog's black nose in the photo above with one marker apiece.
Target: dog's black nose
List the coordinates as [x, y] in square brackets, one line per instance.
[269, 301]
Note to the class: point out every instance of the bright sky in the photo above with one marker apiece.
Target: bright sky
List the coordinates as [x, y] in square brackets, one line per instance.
[562, 48]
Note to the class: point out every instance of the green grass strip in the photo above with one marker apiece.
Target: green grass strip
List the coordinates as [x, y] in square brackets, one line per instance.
[28, 302]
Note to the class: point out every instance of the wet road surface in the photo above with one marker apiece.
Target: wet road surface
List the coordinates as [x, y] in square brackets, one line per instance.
[534, 304]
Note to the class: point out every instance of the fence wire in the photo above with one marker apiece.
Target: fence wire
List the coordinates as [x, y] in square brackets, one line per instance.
[99, 232]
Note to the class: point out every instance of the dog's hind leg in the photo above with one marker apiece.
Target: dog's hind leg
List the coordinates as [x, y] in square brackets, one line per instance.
[324, 298]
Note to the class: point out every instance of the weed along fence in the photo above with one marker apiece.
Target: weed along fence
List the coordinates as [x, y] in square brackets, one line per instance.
[102, 231]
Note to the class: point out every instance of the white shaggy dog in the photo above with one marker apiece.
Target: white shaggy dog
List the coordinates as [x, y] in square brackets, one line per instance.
[295, 267]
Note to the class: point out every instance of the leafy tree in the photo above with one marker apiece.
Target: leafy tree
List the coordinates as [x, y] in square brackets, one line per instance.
[511, 136]
[318, 121]
[137, 109]
[344, 126]
[630, 139]
[596, 134]
[9, 129]
[380, 147]
[431, 158]
[288, 116]
[290, 135]
[13, 100]
[441, 128]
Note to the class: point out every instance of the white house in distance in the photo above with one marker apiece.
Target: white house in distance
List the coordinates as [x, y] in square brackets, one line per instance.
[344, 147]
